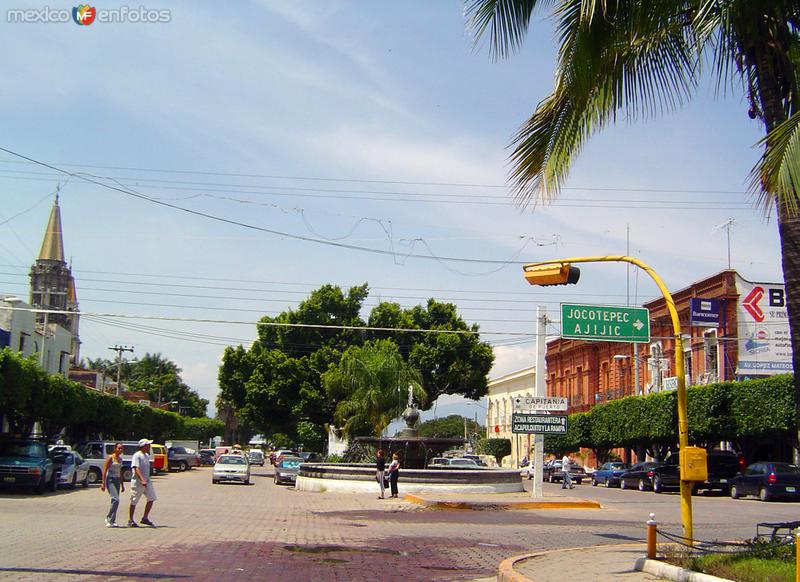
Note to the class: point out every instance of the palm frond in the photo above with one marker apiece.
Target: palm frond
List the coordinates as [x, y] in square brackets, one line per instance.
[507, 22]
[776, 177]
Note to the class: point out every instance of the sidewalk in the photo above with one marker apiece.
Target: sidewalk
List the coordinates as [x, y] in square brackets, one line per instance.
[606, 563]
[489, 501]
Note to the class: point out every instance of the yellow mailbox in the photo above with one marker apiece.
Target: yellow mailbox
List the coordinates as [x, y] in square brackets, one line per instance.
[693, 464]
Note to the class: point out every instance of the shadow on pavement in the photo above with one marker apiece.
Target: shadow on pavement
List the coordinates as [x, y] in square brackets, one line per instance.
[147, 575]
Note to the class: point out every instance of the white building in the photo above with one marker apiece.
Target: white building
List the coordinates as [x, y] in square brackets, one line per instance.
[19, 331]
[500, 405]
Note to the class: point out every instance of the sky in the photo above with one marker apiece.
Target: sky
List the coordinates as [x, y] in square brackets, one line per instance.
[247, 144]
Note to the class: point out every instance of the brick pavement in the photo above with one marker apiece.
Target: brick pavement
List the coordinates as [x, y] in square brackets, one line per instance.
[266, 532]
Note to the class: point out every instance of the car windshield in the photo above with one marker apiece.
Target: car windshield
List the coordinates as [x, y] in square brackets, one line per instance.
[231, 460]
[30, 450]
[290, 463]
[256, 454]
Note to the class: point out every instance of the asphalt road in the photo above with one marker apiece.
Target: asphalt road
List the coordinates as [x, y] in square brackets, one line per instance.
[269, 532]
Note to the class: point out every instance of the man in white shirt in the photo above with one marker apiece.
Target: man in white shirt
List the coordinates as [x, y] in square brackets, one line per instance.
[567, 478]
[141, 484]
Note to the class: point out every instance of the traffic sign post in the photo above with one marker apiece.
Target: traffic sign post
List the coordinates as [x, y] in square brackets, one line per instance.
[606, 323]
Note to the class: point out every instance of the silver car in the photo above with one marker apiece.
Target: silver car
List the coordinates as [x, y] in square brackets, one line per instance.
[71, 468]
[287, 469]
[231, 468]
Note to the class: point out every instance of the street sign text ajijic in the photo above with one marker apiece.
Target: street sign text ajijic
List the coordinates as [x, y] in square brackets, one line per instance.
[608, 323]
[522, 423]
[534, 403]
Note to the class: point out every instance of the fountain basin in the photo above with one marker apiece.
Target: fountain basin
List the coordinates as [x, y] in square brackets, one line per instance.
[360, 478]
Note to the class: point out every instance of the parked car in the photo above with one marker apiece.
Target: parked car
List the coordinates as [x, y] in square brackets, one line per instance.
[768, 481]
[96, 453]
[310, 457]
[256, 457]
[551, 472]
[280, 453]
[609, 474]
[462, 463]
[182, 459]
[231, 468]
[527, 470]
[437, 462]
[722, 467]
[24, 463]
[159, 455]
[287, 469]
[639, 476]
[71, 468]
[475, 458]
[207, 457]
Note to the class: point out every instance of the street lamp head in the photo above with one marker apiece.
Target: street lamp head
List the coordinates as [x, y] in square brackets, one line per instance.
[554, 274]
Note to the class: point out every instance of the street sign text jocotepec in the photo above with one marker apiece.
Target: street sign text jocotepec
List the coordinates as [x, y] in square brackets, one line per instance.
[605, 323]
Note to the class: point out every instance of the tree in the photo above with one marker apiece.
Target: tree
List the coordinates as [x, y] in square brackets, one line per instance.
[639, 58]
[451, 426]
[370, 383]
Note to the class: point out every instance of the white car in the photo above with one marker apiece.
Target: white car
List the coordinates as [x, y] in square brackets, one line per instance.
[231, 468]
[527, 470]
[71, 468]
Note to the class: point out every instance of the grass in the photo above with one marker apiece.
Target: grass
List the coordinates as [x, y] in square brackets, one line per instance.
[760, 562]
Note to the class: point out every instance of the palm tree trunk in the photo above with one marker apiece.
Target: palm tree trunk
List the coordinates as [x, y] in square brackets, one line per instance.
[788, 224]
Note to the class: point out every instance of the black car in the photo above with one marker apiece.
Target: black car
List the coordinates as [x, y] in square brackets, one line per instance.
[768, 481]
[722, 467]
[639, 476]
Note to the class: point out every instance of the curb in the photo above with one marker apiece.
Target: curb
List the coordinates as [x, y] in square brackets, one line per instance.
[583, 504]
[506, 572]
[664, 570]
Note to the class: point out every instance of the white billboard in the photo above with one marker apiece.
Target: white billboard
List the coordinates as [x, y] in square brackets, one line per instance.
[765, 348]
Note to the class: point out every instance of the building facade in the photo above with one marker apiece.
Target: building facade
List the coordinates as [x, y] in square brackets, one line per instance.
[499, 407]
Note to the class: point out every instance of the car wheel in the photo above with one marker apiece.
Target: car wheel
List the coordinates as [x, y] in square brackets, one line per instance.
[578, 481]
[127, 474]
[735, 492]
[658, 487]
[53, 482]
[594, 482]
[214, 481]
[642, 485]
[764, 495]
[184, 466]
[247, 481]
[608, 483]
[74, 480]
[41, 486]
[623, 484]
[93, 476]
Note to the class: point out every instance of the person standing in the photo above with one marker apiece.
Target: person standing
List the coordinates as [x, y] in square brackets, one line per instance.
[141, 484]
[380, 471]
[112, 481]
[566, 482]
[394, 473]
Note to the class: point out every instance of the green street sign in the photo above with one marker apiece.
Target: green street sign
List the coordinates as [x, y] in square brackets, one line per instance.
[607, 323]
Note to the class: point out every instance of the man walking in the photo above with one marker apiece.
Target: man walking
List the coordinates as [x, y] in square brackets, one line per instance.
[566, 477]
[141, 484]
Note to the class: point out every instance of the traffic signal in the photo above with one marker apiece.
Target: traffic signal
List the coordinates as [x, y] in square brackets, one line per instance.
[555, 274]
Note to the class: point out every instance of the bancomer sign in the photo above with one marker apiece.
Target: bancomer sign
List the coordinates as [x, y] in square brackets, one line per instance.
[538, 423]
[605, 323]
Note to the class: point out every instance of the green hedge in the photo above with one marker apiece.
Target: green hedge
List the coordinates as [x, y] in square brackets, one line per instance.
[28, 395]
[497, 447]
[743, 412]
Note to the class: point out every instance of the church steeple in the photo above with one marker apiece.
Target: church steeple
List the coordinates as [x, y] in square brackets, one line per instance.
[53, 243]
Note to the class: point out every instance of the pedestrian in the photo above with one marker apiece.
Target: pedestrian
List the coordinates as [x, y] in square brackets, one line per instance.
[394, 473]
[380, 470]
[112, 481]
[566, 477]
[141, 484]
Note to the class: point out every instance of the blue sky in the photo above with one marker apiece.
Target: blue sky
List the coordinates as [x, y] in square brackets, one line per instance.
[375, 125]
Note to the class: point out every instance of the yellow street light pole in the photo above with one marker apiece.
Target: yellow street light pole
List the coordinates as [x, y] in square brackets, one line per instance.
[683, 424]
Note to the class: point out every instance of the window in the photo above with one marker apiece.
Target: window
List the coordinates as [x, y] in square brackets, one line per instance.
[711, 348]
[687, 358]
[654, 367]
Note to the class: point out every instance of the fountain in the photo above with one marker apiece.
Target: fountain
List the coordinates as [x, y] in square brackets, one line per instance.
[414, 451]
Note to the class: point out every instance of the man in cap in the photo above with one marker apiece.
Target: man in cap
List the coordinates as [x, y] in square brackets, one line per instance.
[141, 484]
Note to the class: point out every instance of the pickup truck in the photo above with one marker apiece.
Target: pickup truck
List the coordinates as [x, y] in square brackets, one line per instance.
[182, 459]
[24, 463]
[722, 467]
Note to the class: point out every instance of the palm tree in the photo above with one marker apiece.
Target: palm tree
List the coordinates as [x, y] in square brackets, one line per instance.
[370, 383]
[638, 58]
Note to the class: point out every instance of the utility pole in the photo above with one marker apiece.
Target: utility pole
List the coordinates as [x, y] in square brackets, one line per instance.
[539, 390]
[120, 350]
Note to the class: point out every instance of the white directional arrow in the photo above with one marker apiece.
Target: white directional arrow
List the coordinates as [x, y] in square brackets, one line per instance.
[638, 325]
